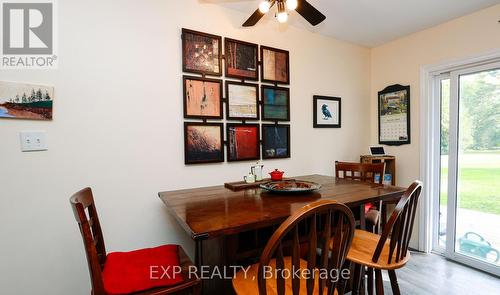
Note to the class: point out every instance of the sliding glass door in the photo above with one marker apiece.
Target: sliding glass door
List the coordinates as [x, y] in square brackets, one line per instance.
[468, 227]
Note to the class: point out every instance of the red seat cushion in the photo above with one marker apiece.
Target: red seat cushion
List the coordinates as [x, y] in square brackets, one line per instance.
[139, 270]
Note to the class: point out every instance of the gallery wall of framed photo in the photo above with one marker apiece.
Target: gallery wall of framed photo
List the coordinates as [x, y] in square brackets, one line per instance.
[236, 99]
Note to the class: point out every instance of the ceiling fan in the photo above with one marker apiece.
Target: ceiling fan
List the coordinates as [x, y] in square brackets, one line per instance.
[304, 8]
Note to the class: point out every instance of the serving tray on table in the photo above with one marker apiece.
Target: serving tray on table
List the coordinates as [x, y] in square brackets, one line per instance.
[290, 186]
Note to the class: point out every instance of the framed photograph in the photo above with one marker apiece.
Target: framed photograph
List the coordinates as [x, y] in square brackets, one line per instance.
[241, 59]
[275, 141]
[201, 53]
[275, 103]
[26, 101]
[203, 142]
[243, 142]
[327, 112]
[242, 101]
[202, 98]
[275, 65]
[394, 115]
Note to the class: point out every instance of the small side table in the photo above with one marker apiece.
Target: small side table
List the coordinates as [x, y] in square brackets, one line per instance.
[390, 164]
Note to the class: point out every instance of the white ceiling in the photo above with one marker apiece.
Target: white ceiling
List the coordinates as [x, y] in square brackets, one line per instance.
[373, 22]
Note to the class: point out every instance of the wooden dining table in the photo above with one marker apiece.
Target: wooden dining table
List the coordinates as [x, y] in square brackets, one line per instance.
[215, 217]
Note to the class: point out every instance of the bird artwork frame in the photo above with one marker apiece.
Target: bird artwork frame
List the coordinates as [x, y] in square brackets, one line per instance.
[327, 112]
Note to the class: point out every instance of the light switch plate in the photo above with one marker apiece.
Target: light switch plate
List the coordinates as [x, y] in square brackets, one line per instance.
[32, 141]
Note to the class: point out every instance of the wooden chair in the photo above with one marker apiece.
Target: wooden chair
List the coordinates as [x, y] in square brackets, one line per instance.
[364, 172]
[381, 252]
[325, 220]
[85, 212]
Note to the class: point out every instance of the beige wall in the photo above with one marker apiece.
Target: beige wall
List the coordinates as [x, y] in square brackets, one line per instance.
[118, 124]
[400, 61]
[118, 128]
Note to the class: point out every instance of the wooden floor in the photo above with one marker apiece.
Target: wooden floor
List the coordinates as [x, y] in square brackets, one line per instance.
[433, 274]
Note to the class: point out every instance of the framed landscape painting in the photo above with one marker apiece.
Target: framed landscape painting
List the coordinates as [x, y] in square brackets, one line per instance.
[275, 65]
[203, 142]
[275, 103]
[243, 142]
[26, 101]
[242, 101]
[201, 53]
[326, 112]
[275, 141]
[241, 59]
[202, 98]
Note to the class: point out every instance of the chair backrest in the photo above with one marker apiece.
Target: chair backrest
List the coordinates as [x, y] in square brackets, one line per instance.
[400, 225]
[324, 221]
[85, 212]
[360, 171]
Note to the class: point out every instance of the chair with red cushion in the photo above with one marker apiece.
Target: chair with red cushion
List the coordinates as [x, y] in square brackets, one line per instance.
[366, 173]
[151, 271]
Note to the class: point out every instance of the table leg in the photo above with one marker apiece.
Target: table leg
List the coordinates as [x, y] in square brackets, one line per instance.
[198, 260]
[362, 220]
[198, 255]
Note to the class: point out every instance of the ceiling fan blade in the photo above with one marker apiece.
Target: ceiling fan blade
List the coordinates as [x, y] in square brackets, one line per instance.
[256, 16]
[311, 14]
[253, 19]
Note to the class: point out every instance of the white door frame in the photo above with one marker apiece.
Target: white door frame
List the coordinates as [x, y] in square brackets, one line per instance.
[430, 134]
[454, 151]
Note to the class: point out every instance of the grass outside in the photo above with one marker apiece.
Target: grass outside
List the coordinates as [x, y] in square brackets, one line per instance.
[478, 181]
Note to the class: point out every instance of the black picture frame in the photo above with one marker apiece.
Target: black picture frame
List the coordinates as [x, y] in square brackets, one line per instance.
[266, 128]
[316, 124]
[190, 159]
[263, 65]
[267, 117]
[186, 56]
[185, 78]
[228, 101]
[388, 90]
[230, 156]
[228, 55]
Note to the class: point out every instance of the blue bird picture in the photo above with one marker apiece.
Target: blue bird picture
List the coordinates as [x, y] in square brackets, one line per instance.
[326, 112]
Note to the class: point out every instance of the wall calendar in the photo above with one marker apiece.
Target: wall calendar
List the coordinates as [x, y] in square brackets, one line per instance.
[394, 115]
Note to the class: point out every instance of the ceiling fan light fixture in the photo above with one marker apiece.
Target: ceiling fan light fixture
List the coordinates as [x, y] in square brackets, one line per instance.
[264, 6]
[282, 17]
[291, 4]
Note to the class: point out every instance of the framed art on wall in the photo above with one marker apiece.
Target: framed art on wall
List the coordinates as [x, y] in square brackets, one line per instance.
[243, 142]
[201, 53]
[275, 141]
[275, 65]
[203, 142]
[327, 112]
[275, 103]
[241, 59]
[202, 98]
[242, 101]
[394, 115]
[26, 101]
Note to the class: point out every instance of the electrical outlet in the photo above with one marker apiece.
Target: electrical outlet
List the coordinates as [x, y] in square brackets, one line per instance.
[33, 141]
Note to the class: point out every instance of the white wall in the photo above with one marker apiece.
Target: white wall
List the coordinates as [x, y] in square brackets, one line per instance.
[400, 61]
[118, 128]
